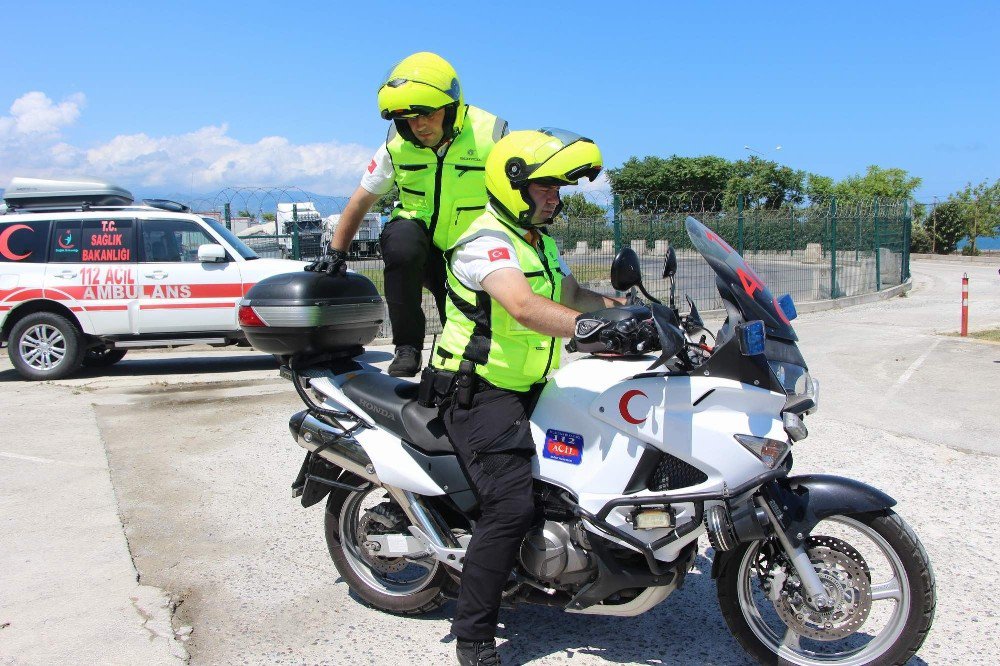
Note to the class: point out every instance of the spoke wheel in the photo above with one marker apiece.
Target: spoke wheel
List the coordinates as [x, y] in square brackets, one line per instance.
[872, 566]
[45, 345]
[407, 586]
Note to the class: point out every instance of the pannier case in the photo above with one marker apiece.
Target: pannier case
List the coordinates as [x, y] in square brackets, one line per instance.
[311, 313]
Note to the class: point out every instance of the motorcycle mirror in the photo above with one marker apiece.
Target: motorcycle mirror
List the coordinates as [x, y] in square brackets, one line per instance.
[694, 317]
[625, 272]
[670, 263]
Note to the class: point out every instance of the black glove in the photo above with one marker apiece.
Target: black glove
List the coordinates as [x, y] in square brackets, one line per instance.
[334, 263]
[628, 337]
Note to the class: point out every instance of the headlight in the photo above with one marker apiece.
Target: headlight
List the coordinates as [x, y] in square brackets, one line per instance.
[793, 378]
[770, 451]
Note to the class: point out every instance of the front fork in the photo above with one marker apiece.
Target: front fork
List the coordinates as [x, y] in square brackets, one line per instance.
[816, 594]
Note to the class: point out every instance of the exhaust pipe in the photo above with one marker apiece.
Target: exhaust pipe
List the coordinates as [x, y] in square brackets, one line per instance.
[330, 444]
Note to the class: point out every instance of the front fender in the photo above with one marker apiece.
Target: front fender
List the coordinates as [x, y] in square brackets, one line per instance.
[806, 500]
[800, 502]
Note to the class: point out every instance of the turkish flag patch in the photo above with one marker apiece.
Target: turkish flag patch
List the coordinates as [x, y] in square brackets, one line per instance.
[371, 167]
[498, 253]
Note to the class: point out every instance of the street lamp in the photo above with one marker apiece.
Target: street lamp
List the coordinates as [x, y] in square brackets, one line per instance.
[753, 150]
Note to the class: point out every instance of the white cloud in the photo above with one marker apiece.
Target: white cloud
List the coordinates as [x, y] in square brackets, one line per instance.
[35, 115]
[203, 160]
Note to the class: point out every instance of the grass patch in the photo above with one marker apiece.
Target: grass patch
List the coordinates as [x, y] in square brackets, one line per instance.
[989, 335]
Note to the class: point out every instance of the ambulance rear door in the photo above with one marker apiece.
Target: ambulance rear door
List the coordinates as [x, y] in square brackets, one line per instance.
[179, 293]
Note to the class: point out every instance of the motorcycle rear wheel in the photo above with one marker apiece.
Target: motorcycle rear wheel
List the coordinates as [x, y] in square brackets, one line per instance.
[392, 585]
[874, 566]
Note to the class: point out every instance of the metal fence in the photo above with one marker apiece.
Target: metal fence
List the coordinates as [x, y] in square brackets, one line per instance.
[821, 250]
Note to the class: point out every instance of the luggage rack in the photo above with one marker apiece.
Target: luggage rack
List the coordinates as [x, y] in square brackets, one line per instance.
[42, 195]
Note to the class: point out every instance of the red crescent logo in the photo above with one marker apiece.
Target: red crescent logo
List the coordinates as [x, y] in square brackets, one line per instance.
[5, 242]
[623, 406]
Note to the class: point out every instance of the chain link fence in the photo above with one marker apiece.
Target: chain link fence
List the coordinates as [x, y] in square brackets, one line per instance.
[821, 250]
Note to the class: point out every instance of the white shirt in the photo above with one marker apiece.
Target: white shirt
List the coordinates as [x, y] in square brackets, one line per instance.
[379, 176]
[473, 261]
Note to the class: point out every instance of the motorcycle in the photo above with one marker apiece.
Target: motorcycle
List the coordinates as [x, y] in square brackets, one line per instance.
[637, 457]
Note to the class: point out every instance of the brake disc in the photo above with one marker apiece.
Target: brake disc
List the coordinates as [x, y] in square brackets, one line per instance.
[846, 579]
[384, 518]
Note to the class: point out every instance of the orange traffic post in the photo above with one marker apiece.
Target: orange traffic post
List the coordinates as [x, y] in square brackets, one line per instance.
[965, 305]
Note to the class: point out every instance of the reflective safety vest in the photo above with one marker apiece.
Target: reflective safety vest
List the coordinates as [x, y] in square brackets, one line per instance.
[445, 192]
[506, 354]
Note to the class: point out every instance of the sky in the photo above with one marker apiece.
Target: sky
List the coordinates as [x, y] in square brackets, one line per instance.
[191, 97]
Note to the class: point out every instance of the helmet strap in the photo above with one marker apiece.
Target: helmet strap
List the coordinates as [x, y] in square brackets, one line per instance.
[404, 130]
[448, 124]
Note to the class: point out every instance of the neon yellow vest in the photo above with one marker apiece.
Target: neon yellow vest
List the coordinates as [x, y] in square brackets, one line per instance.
[445, 192]
[506, 353]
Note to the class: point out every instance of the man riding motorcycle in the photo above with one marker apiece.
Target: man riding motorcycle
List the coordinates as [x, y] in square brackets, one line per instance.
[510, 300]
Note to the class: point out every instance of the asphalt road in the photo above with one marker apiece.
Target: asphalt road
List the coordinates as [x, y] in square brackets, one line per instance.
[196, 461]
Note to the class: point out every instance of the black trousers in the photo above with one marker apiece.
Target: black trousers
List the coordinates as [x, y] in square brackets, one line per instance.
[493, 441]
[411, 262]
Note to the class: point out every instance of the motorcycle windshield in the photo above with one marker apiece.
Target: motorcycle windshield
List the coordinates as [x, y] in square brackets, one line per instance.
[738, 283]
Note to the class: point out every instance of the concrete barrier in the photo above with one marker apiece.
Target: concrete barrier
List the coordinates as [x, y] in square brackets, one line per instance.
[639, 247]
[581, 248]
[814, 254]
[607, 247]
[660, 247]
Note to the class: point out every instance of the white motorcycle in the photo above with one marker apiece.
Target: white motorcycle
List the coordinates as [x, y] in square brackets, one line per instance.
[636, 458]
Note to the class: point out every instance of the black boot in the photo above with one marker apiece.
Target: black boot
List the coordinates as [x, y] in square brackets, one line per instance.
[406, 361]
[477, 653]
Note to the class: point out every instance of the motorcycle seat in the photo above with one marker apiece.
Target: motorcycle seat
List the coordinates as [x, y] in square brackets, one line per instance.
[392, 403]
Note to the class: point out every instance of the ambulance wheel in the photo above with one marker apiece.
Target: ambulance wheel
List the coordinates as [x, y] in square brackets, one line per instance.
[102, 357]
[45, 345]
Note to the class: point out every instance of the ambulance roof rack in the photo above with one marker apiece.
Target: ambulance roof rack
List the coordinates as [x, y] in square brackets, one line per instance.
[45, 194]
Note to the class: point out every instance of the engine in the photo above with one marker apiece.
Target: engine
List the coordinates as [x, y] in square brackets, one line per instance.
[553, 553]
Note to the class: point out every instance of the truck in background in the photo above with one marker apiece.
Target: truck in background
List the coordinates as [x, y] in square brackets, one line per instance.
[365, 243]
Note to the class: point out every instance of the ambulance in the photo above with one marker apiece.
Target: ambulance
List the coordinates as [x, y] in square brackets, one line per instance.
[86, 274]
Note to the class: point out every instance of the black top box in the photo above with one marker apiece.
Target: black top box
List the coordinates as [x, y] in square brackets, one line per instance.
[311, 313]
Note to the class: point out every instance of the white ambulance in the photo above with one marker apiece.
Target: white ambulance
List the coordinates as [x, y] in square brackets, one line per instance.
[85, 275]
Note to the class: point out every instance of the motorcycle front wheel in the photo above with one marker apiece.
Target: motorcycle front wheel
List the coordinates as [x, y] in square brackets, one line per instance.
[396, 585]
[873, 567]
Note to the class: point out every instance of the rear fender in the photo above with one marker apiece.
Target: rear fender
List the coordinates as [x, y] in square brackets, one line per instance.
[800, 502]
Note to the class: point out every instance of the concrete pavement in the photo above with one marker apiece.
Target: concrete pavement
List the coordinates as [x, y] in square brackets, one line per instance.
[175, 467]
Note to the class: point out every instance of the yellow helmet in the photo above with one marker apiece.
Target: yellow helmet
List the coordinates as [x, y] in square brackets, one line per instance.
[418, 85]
[547, 156]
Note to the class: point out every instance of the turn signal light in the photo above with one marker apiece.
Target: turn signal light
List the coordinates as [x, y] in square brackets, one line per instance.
[770, 451]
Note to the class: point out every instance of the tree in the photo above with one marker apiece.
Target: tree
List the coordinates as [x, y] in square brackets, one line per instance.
[764, 184]
[947, 224]
[247, 214]
[386, 202]
[981, 205]
[638, 181]
[269, 217]
[819, 188]
[892, 183]
[576, 207]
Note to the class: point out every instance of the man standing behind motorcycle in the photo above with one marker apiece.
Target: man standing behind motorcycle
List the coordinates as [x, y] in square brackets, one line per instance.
[435, 154]
[510, 300]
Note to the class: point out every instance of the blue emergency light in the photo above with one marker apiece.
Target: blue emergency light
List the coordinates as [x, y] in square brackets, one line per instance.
[752, 338]
[788, 307]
